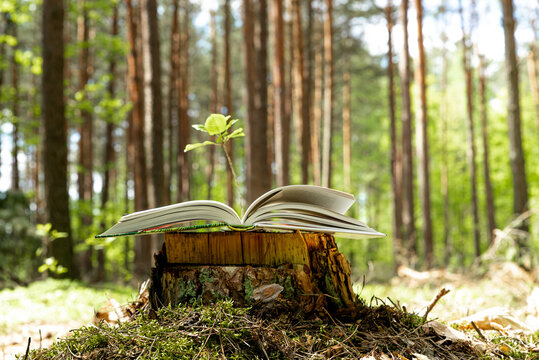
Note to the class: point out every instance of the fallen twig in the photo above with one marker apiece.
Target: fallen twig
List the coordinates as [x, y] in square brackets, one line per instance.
[479, 332]
[438, 296]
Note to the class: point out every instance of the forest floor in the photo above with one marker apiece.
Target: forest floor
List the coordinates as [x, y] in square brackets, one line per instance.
[505, 296]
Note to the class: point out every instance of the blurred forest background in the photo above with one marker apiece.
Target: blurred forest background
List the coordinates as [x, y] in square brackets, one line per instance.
[427, 112]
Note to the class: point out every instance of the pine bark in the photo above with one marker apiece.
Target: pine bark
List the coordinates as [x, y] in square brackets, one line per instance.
[489, 195]
[172, 105]
[258, 176]
[304, 272]
[55, 134]
[301, 109]
[444, 128]
[422, 143]
[533, 72]
[316, 118]
[471, 132]
[142, 243]
[279, 88]
[213, 101]
[109, 174]
[516, 154]
[328, 95]
[15, 177]
[346, 128]
[184, 127]
[153, 113]
[408, 218]
[395, 164]
[228, 99]
[86, 130]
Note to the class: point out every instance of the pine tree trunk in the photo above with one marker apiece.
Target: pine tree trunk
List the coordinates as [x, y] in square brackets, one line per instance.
[55, 135]
[317, 108]
[471, 137]
[213, 101]
[408, 218]
[328, 95]
[486, 168]
[443, 117]
[85, 179]
[109, 153]
[142, 243]
[271, 272]
[346, 128]
[228, 100]
[422, 142]
[516, 154]
[153, 112]
[533, 73]
[15, 182]
[172, 107]
[396, 183]
[279, 87]
[301, 109]
[184, 126]
[258, 176]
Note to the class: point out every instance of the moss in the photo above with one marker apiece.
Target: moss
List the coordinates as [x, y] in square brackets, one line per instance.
[249, 290]
[187, 292]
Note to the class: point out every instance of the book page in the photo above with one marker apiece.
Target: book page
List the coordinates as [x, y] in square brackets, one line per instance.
[322, 197]
[172, 214]
[347, 233]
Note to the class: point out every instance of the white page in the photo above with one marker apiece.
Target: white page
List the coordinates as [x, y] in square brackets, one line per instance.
[323, 197]
[314, 212]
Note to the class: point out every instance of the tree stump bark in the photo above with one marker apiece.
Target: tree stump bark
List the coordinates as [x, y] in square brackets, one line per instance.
[274, 271]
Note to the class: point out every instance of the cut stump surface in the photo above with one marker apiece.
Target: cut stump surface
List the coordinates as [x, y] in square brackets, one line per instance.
[275, 271]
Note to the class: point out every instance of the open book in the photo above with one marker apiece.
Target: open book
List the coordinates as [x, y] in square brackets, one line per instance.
[294, 207]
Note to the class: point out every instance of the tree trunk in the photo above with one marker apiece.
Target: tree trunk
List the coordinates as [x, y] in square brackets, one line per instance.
[184, 127]
[422, 142]
[443, 117]
[471, 138]
[408, 218]
[213, 101]
[294, 271]
[516, 154]
[279, 86]
[15, 182]
[301, 109]
[396, 183]
[172, 106]
[228, 100]
[55, 134]
[258, 176]
[317, 108]
[484, 133]
[109, 153]
[346, 128]
[85, 178]
[153, 106]
[142, 243]
[328, 95]
[533, 73]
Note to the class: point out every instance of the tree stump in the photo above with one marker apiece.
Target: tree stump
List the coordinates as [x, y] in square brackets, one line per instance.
[281, 271]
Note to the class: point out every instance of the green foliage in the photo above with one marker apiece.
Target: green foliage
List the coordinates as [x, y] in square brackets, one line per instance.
[19, 243]
[216, 125]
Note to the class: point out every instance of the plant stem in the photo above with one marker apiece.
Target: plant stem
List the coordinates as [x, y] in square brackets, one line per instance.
[229, 161]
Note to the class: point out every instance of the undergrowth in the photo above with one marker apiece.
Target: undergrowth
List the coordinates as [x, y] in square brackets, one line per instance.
[223, 331]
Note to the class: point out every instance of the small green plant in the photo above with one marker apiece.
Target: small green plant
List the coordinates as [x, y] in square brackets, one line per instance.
[49, 234]
[217, 126]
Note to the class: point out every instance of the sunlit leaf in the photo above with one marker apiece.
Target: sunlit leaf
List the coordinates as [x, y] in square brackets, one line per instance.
[215, 124]
[190, 147]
